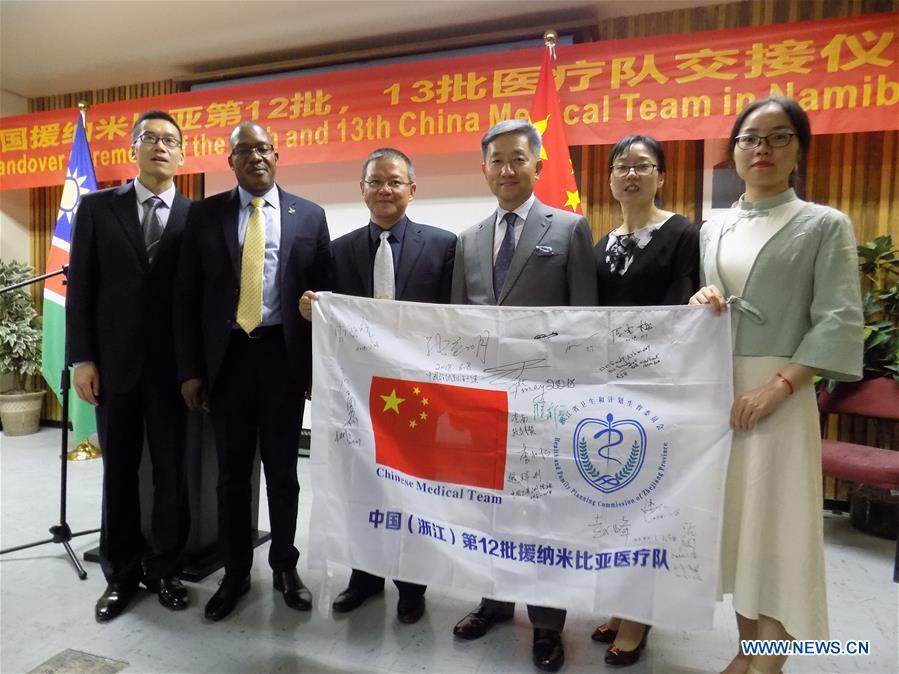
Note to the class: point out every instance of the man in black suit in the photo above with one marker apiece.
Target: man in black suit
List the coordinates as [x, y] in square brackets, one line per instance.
[118, 320]
[243, 350]
[415, 263]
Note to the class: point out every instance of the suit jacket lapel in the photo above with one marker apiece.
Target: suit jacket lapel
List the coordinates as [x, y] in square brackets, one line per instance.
[289, 230]
[362, 260]
[124, 205]
[413, 244]
[484, 248]
[535, 228]
[230, 219]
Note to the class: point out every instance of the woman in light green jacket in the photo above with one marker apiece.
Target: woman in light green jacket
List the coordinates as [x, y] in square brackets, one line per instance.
[788, 269]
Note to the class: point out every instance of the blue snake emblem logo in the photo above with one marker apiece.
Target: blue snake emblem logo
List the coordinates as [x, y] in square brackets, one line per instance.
[608, 453]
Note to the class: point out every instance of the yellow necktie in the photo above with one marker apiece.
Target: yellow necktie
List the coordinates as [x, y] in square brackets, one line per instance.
[249, 306]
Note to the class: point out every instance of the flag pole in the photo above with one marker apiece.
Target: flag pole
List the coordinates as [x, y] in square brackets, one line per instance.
[84, 450]
[550, 38]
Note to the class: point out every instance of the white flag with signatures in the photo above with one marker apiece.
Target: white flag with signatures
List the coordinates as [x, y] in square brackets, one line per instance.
[566, 457]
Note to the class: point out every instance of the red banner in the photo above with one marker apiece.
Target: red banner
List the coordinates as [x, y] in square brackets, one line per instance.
[674, 87]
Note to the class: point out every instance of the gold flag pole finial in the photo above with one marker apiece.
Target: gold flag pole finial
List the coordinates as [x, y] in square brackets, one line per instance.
[550, 38]
[84, 451]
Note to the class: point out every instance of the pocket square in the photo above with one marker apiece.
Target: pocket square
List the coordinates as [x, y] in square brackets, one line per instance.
[543, 250]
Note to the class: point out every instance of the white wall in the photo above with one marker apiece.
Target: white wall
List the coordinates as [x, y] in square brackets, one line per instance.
[451, 192]
[15, 216]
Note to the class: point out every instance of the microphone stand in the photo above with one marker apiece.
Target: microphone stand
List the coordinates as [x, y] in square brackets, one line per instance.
[61, 533]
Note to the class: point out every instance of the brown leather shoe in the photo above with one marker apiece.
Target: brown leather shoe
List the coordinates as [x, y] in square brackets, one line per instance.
[604, 634]
[296, 595]
[477, 623]
[113, 601]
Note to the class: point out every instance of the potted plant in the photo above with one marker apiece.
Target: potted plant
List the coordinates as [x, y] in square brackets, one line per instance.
[20, 352]
[879, 262]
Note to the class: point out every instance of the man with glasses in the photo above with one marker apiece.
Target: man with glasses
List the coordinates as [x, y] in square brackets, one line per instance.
[124, 254]
[243, 351]
[389, 258]
[524, 254]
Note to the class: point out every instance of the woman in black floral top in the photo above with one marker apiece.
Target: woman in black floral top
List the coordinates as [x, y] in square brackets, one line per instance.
[651, 259]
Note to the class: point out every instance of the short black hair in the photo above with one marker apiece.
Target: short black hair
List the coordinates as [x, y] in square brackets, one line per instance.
[651, 144]
[516, 126]
[154, 114]
[791, 109]
[389, 153]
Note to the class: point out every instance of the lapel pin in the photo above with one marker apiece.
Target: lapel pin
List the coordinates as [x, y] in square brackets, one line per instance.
[290, 210]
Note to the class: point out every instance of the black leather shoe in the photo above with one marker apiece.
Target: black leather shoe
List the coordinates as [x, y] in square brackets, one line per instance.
[409, 610]
[549, 654]
[172, 594]
[478, 622]
[604, 635]
[296, 595]
[226, 597]
[353, 597]
[113, 601]
[619, 658]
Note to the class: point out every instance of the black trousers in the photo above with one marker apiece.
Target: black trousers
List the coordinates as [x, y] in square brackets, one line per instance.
[541, 617]
[371, 583]
[256, 402]
[154, 406]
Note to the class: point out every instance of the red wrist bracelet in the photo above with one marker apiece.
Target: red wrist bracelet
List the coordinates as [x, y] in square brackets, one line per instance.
[787, 382]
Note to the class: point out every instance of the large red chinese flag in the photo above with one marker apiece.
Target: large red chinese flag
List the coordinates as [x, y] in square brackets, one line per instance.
[439, 432]
[556, 186]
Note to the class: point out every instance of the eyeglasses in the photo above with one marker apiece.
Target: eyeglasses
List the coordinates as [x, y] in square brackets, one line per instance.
[392, 184]
[621, 170]
[750, 141]
[262, 149]
[170, 142]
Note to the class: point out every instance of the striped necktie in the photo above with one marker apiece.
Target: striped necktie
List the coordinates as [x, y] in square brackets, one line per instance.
[151, 225]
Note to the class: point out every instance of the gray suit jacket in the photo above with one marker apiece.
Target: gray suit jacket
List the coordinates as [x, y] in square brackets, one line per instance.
[552, 266]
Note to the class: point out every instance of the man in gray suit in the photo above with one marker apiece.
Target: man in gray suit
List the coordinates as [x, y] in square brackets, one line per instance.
[524, 254]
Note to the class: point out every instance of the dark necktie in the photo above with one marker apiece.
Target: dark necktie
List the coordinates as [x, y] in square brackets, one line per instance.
[151, 226]
[504, 256]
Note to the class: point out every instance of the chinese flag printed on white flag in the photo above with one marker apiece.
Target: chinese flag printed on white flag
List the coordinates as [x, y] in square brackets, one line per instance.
[567, 457]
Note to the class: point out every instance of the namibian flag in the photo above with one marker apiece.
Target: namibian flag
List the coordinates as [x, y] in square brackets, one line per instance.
[80, 180]
[453, 434]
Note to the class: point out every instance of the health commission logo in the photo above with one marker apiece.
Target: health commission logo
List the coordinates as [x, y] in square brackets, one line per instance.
[615, 453]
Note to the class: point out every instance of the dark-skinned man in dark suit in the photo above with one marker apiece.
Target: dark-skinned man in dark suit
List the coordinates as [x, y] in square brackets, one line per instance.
[244, 352]
[415, 265]
[124, 253]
